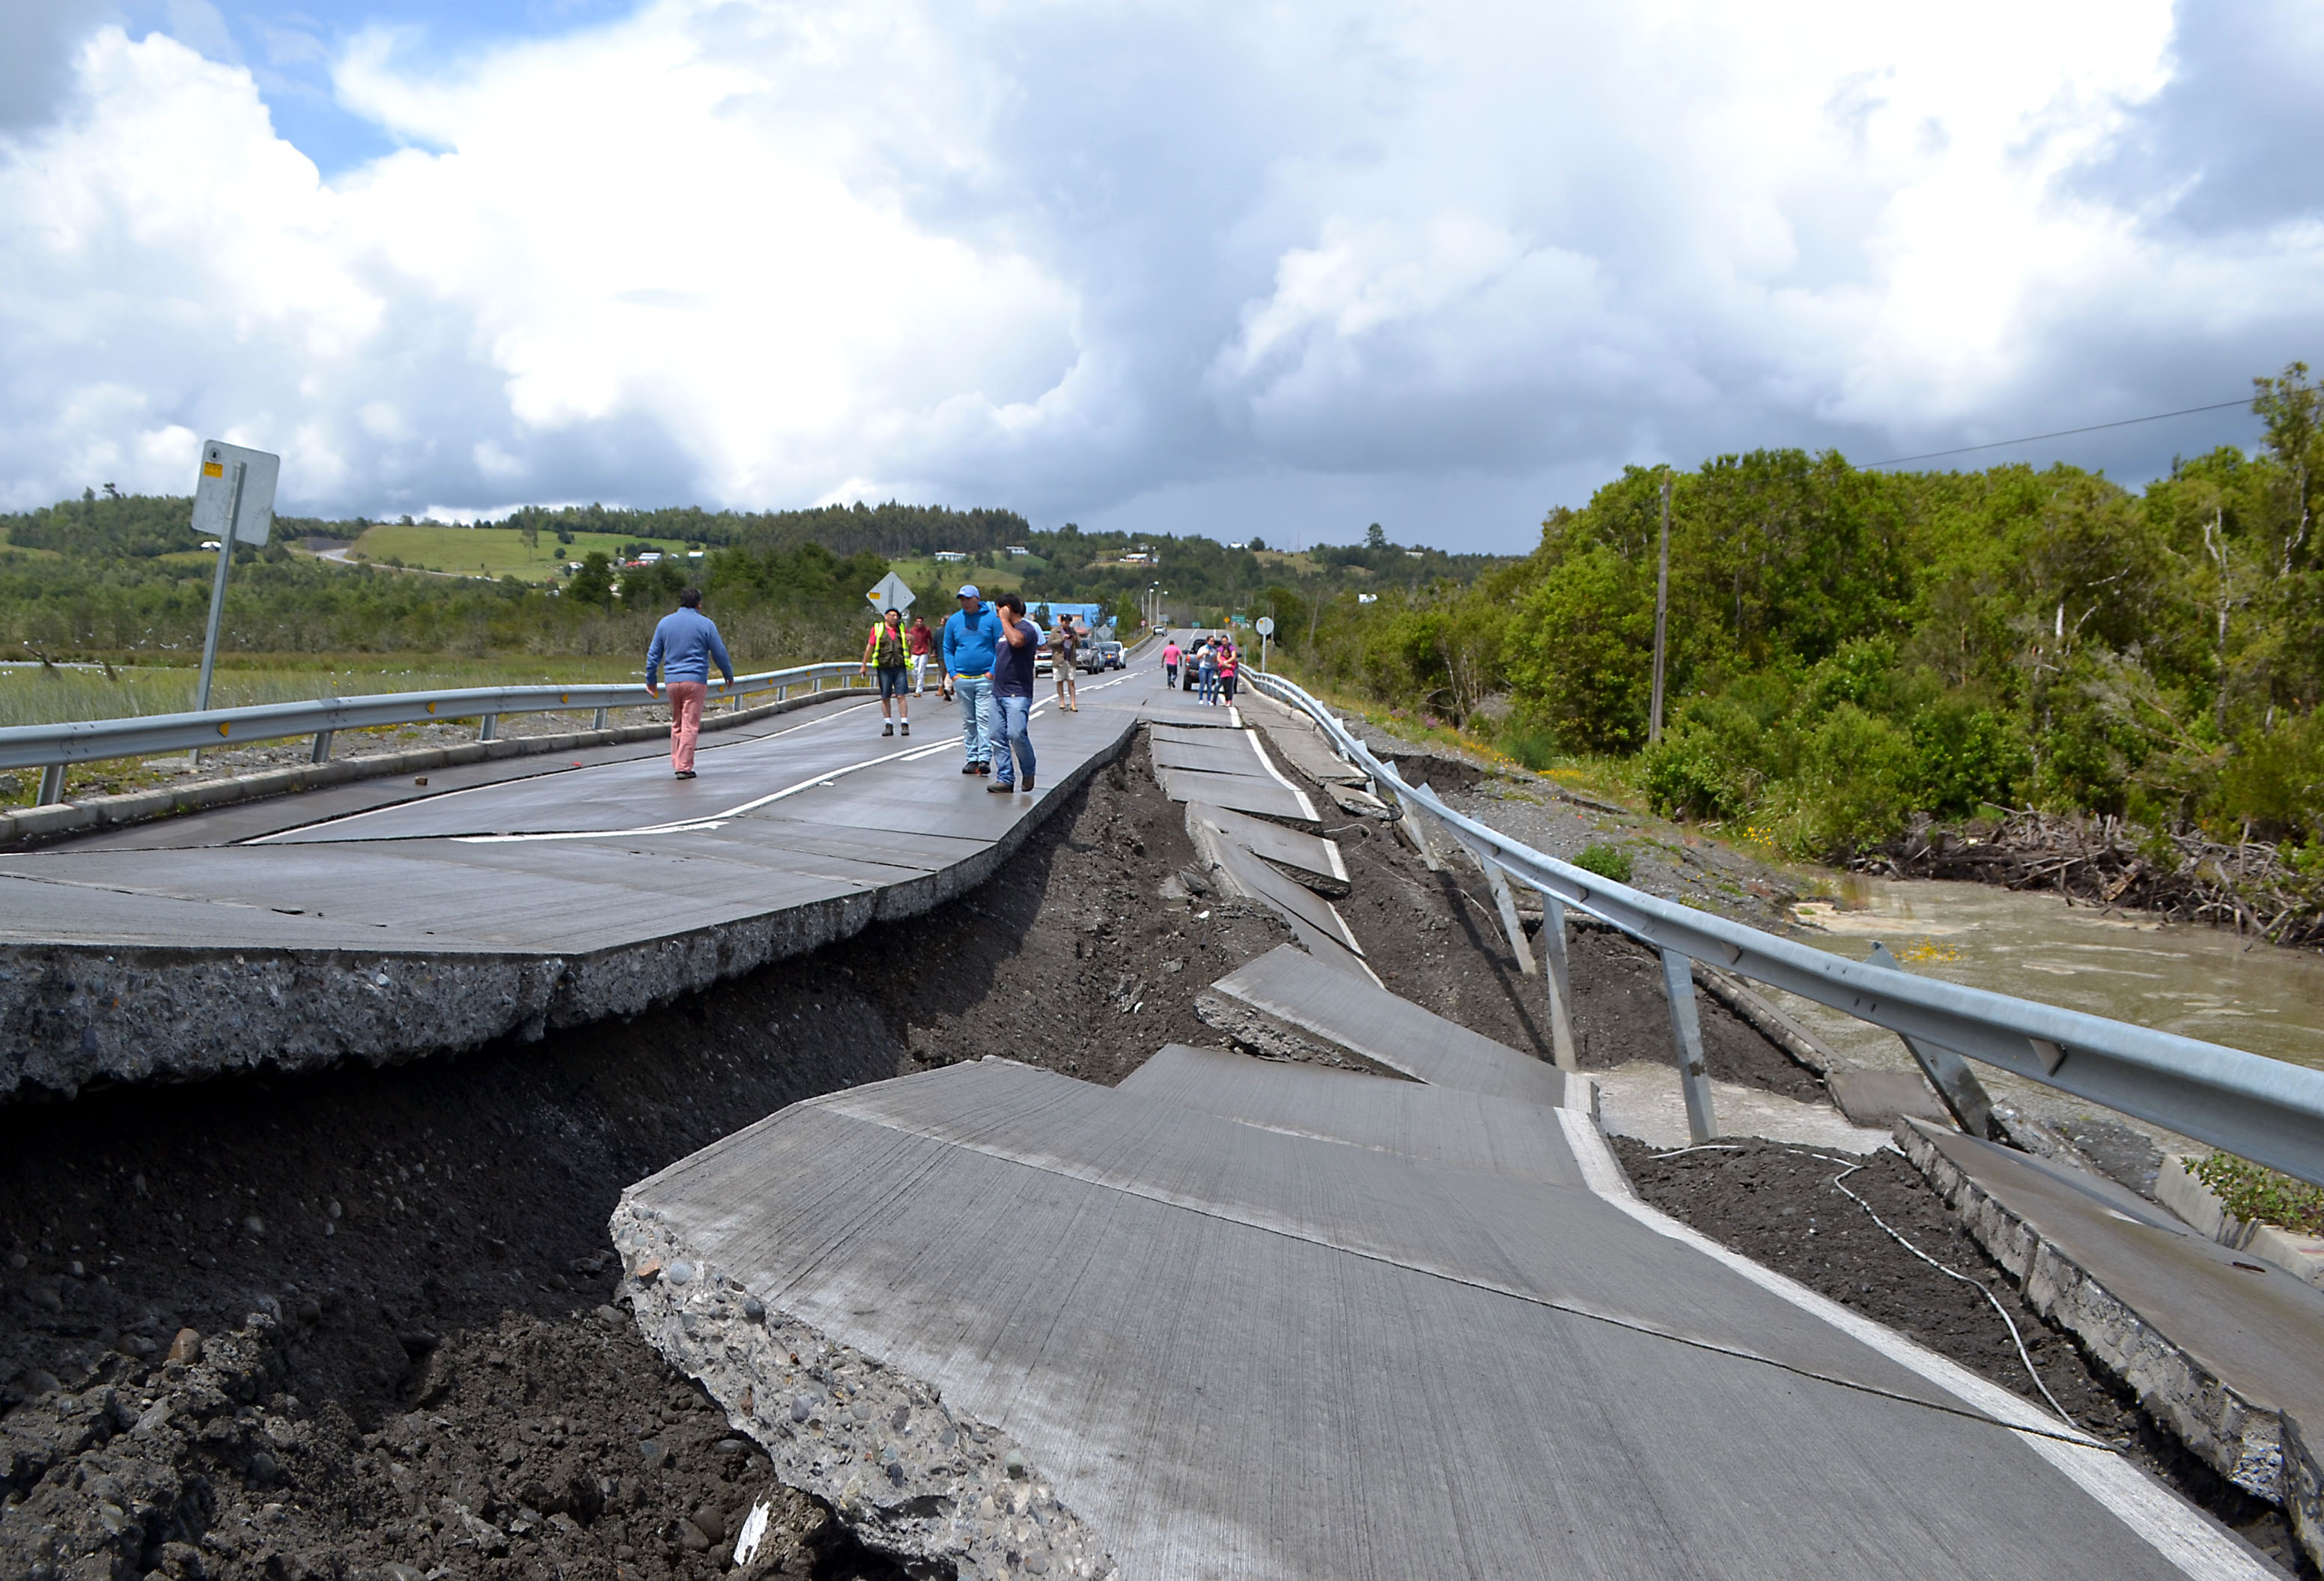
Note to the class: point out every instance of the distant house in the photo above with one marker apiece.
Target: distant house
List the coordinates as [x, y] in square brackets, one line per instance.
[1412, 554]
[1238, 546]
[651, 557]
[946, 557]
[1018, 549]
[1137, 557]
[1368, 598]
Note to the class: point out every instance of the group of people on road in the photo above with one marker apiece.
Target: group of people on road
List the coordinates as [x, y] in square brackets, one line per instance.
[986, 658]
[1210, 668]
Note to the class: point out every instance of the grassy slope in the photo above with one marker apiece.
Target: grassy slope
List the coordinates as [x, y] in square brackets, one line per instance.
[492, 551]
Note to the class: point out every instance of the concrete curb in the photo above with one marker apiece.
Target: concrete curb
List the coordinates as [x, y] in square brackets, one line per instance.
[36, 825]
[2253, 1446]
[2177, 1189]
[73, 1017]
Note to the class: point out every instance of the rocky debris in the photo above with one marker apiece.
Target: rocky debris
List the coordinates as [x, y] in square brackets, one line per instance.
[531, 1443]
[907, 1472]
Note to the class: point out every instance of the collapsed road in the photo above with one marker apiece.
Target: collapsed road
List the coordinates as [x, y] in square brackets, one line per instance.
[357, 1320]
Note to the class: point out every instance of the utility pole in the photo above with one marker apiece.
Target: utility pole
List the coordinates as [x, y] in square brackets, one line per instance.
[1661, 619]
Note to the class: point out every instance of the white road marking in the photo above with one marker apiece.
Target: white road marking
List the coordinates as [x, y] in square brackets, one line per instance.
[354, 817]
[705, 822]
[2176, 1530]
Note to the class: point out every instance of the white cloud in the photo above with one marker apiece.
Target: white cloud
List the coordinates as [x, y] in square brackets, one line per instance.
[1176, 265]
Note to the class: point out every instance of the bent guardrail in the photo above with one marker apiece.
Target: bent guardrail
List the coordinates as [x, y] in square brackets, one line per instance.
[53, 748]
[2262, 1109]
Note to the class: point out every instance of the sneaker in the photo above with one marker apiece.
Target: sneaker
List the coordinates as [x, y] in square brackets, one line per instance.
[906, 727]
[971, 769]
[998, 787]
[984, 768]
[888, 729]
[686, 773]
[1027, 787]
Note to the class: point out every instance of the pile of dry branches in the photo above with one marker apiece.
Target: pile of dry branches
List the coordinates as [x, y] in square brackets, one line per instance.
[2250, 887]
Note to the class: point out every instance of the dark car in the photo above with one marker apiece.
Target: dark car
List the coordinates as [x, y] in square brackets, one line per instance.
[1097, 656]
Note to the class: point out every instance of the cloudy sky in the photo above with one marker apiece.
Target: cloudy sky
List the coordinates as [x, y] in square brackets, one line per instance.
[1226, 267]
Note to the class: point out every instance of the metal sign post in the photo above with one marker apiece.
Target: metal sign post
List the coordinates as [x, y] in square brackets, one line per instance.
[1266, 630]
[234, 498]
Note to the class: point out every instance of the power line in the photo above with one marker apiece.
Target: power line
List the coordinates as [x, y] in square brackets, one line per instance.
[2061, 433]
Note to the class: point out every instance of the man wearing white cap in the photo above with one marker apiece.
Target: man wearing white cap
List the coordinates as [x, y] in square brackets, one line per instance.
[972, 637]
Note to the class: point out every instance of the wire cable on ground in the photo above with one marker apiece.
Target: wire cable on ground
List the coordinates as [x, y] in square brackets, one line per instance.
[2002, 1311]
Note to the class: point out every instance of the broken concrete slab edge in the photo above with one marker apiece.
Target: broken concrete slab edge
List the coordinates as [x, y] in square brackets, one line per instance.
[31, 826]
[2247, 1443]
[78, 1016]
[848, 1428]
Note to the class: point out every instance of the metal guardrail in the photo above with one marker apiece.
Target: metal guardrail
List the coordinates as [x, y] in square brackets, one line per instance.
[51, 747]
[2262, 1109]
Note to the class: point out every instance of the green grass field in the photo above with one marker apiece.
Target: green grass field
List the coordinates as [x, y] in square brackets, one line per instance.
[30, 695]
[492, 551]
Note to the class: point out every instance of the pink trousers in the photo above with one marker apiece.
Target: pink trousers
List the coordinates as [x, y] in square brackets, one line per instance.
[685, 720]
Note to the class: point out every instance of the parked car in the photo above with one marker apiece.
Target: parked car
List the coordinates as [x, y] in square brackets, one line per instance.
[1098, 655]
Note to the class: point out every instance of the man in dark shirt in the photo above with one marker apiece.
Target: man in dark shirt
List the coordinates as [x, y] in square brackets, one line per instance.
[1013, 698]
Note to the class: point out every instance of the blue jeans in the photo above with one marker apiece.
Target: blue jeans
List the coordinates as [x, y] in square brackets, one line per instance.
[1208, 691]
[1012, 727]
[975, 694]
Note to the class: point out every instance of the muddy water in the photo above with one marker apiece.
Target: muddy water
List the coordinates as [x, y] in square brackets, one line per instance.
[2200, 982]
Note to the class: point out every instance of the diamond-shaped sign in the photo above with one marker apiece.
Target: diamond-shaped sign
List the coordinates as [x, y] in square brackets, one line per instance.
[890, 594]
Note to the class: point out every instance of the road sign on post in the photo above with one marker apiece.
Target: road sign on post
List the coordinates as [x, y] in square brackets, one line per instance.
[890, 594]
[233, 500]
[1266, 630]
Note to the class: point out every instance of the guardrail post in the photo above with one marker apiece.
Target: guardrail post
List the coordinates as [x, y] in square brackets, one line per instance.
[488, 728]
[599, 722]
[52, 784]
[1506, 904]
[1561, 986]
[1957, 1085]
[1411, 825]
[1686, 1035]
[322, 752]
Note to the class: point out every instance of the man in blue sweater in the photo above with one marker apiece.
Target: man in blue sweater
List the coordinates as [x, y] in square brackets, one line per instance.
[685, 641]
[972, 635]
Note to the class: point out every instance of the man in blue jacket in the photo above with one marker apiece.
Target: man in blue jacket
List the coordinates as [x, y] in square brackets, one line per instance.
[685, 641]
[971, 636]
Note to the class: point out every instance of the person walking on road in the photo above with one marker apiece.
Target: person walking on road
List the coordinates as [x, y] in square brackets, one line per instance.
[1013, 698]
[972, 639]
[919, 640]
[1065, 651]
[1207, 668]
[1230, 666]
[886, 650]
[684, 644]
[1170, 657]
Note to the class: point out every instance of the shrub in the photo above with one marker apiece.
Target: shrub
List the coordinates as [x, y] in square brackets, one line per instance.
[1968, 756]
[1605, 861]
[1536, 749]
[2258, 1195]
[1855, 785]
